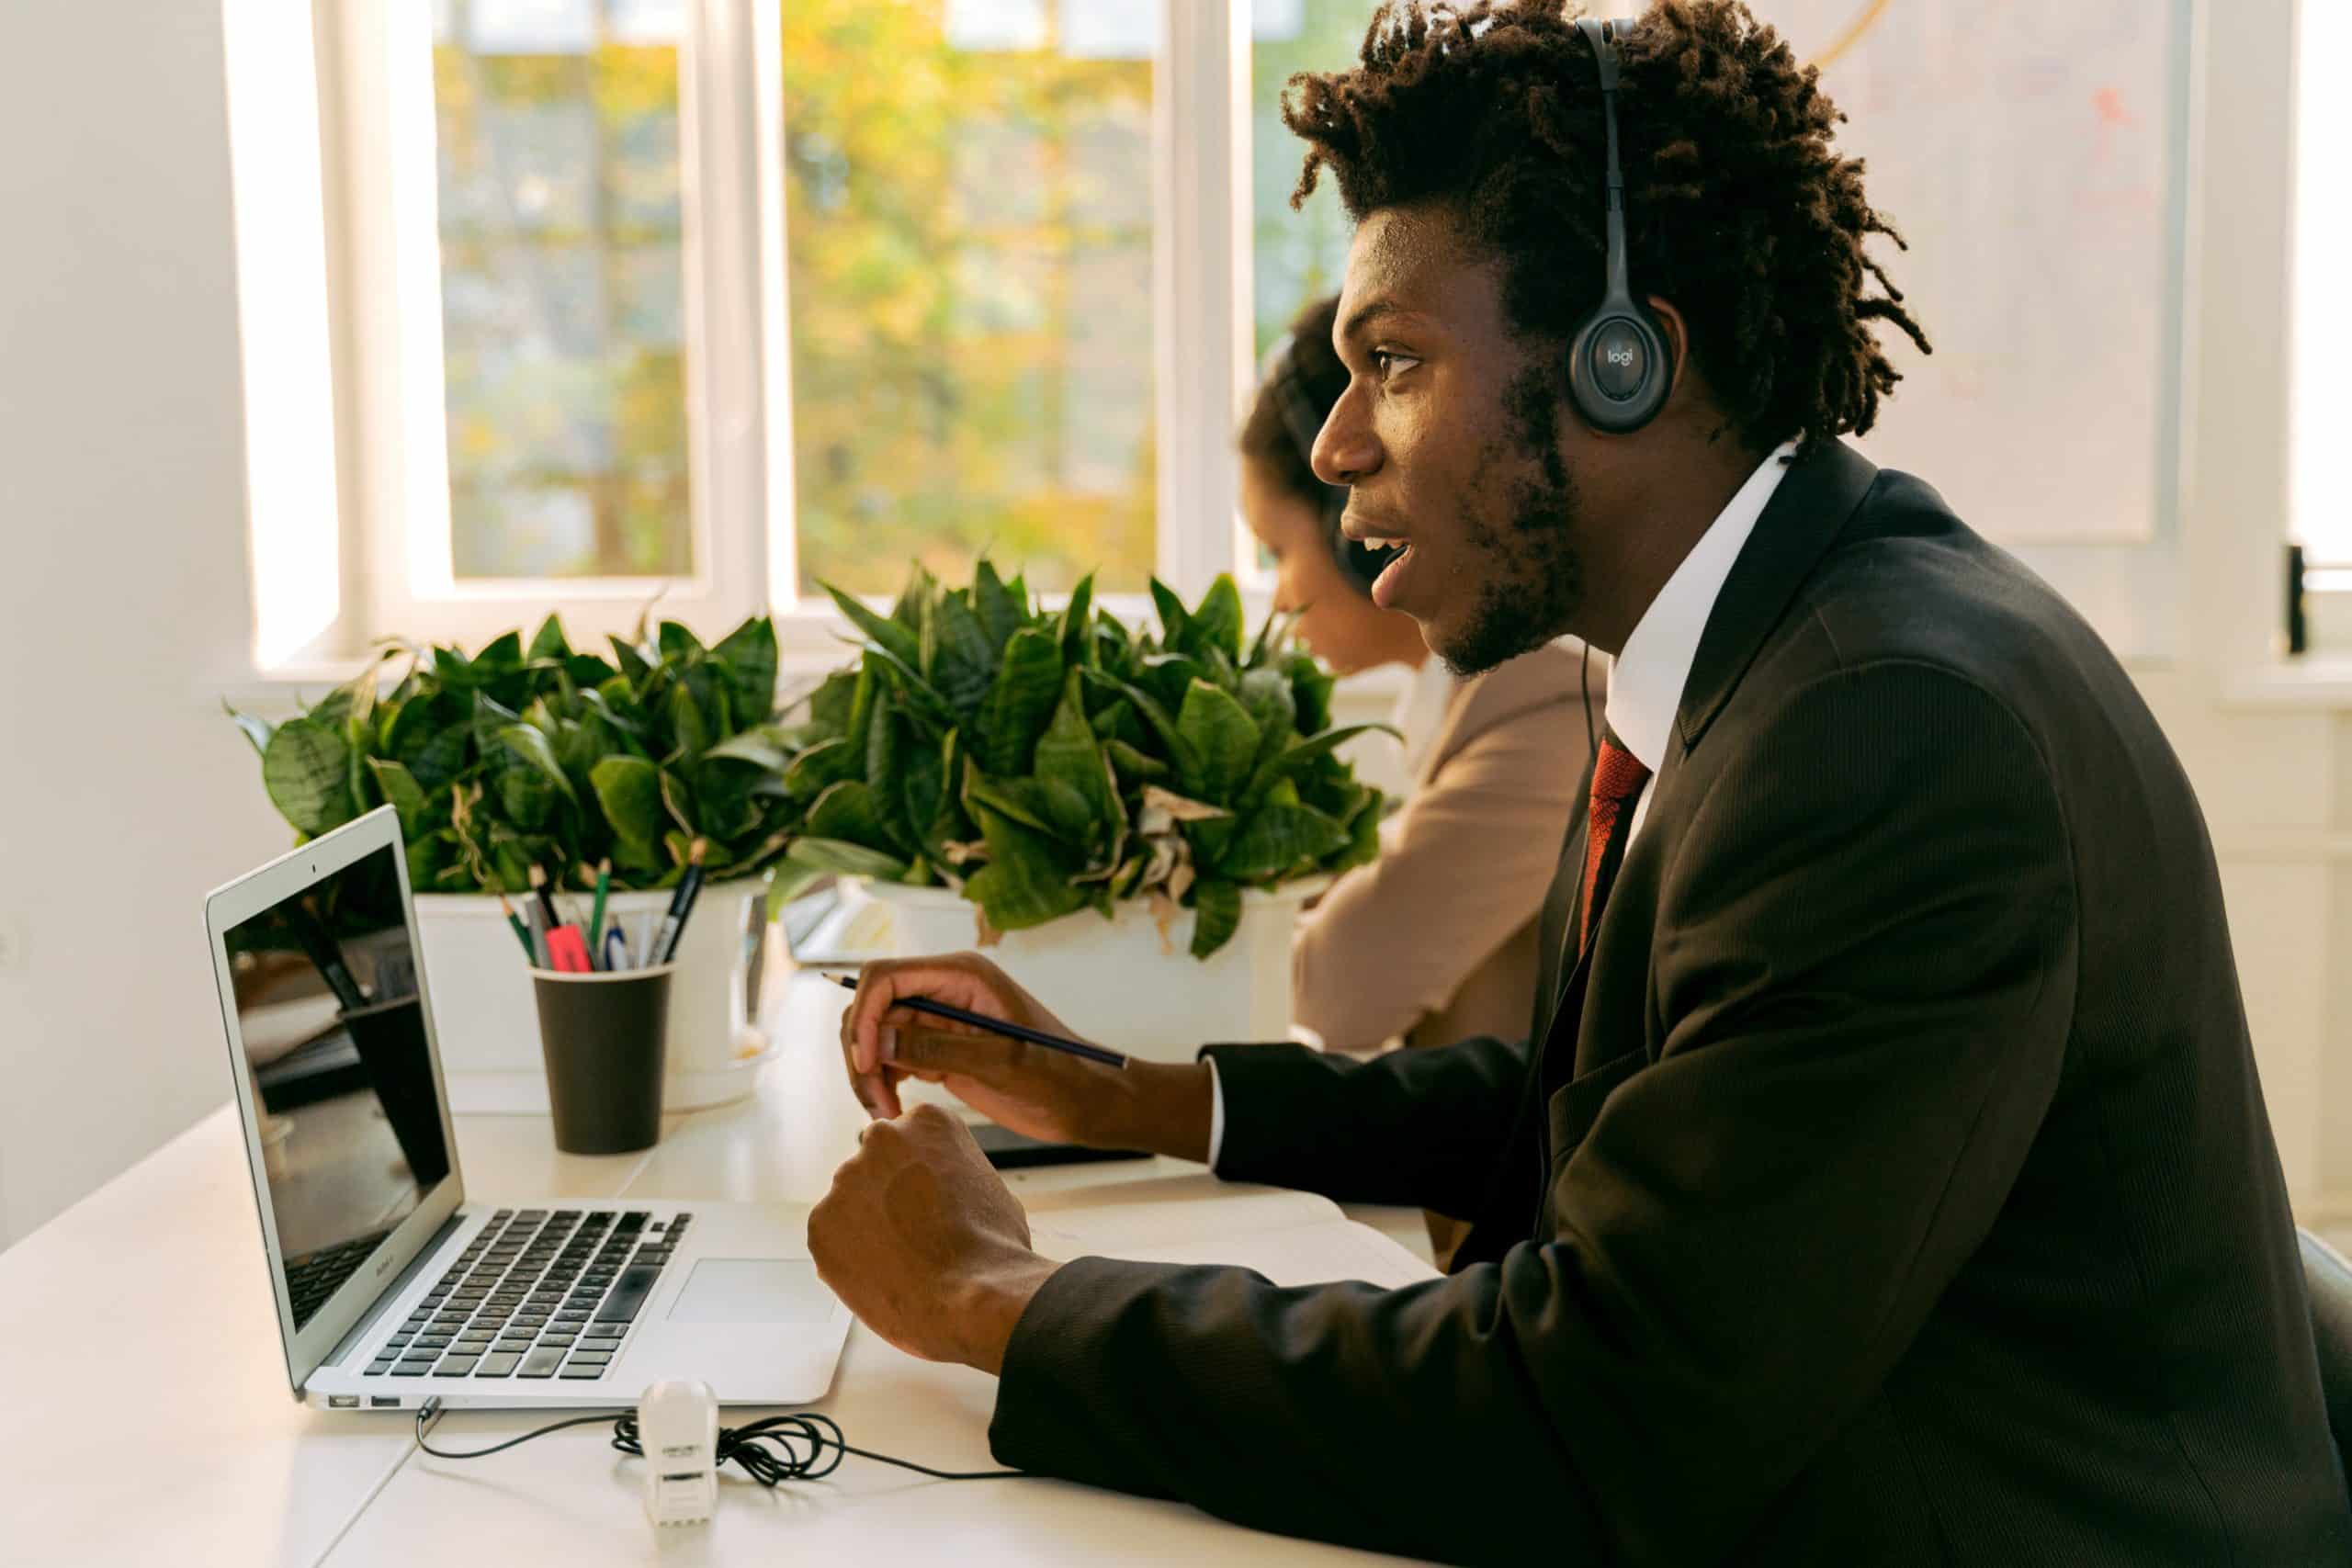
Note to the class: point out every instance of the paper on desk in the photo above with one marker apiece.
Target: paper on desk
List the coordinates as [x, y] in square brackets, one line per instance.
[1167, 1211]
[1311, 1254]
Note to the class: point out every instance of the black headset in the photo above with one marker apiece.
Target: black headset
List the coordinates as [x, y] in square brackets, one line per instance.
[1303, 414]
[1620, 369]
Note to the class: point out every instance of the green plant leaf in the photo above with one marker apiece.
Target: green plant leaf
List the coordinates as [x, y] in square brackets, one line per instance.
[1223, 739]
[1217, 915]
[306, 768]
[1077, 615]
[1180, 751]
[429, 739]
[406, 796]
[748, 654]
[1267, 697]
[810, 861]
[900, 639]
[1020, 702]
[846, 811]
[758, 747]
[886, 746]
[1310, 686]
[1278, 837]
[531, 745]
[634, 666]
[1049, 808]
[677, 642]
[688, 725]
[1216, 624]
[828, 705]
[1134, 764]
[914, 600]
[821, 766]
[1000, 613]
[628, 792]
[1170, 676]
[962, 662]
[1172, 616]
[678, 801]
[1027, 879]
[925, 802]
[550, 642]
[1068, 758]
[257, 731]
[1300, 754]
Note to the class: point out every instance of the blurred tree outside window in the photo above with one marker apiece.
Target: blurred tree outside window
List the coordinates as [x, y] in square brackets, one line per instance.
[561, 281]
[1303, 255]
[969, 224]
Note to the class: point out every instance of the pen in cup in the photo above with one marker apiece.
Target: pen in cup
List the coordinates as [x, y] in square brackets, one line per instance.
[681, 906]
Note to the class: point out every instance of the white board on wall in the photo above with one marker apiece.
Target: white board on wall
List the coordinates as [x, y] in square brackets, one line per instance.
[2031, 154]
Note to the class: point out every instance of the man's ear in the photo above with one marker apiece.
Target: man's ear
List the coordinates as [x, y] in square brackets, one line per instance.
[1678, 335]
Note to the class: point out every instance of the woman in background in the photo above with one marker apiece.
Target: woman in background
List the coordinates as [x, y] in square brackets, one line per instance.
[1436, 939]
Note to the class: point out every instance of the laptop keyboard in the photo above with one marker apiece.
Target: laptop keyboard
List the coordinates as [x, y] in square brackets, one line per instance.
[536, 1294]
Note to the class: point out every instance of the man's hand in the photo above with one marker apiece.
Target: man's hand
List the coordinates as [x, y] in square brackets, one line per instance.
[1038, 1092]
[920, 1237]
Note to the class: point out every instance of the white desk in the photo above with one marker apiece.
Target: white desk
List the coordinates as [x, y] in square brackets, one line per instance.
[148, 1418]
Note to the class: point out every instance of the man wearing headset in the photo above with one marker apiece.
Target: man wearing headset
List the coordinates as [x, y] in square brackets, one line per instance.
[1885, 1178]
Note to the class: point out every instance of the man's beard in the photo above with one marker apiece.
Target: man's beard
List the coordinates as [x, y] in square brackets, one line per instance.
[1535, 580]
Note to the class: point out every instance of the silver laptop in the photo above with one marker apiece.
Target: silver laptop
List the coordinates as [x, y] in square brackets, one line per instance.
[392, 1284]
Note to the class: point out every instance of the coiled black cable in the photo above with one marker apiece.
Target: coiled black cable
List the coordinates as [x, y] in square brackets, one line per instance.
[767, 1451]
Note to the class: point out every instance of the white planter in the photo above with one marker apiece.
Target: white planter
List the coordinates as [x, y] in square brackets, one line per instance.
[1117, 982]
[488, 1026]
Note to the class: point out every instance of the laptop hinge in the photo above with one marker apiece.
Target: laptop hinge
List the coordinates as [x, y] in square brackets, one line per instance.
[391, 1292]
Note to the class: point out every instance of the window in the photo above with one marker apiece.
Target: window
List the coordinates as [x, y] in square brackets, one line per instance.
[719, 300]
[968, 217]
[1296, 257]
[562, 289]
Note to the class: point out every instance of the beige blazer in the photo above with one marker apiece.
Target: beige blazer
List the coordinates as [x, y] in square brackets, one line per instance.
[1435, 941]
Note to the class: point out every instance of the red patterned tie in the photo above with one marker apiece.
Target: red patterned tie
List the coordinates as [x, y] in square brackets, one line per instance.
[1617, 779]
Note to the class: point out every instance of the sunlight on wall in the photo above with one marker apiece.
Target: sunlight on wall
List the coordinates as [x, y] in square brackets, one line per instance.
[282, 322]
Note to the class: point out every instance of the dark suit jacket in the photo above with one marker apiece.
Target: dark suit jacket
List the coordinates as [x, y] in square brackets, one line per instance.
[1890, 1184]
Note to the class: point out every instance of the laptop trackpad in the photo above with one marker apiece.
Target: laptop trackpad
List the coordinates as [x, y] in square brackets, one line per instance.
[753, 1290]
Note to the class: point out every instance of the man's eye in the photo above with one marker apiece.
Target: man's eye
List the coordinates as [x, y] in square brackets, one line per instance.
[1387, 362]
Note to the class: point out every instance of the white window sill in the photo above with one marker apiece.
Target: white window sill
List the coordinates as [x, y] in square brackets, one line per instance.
[2315, 680]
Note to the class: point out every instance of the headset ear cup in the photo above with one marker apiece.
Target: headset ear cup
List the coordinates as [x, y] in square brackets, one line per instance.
[1624, 409]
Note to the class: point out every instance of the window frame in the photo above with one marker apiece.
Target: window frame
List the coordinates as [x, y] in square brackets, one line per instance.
[375, 91]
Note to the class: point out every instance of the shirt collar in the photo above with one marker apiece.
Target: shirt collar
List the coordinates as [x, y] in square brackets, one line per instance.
[1646, 680]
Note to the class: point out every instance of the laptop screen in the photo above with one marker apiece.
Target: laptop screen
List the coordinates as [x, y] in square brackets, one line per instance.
[329, 1009]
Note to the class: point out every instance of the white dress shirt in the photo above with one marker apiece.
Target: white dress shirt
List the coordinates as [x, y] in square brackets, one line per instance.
[1646, 681]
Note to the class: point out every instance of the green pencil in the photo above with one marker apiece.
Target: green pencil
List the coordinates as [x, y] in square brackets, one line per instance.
[522, 933]
[596, 911]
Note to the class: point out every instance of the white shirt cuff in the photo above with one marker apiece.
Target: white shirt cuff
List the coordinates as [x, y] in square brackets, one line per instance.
[1216, 1114]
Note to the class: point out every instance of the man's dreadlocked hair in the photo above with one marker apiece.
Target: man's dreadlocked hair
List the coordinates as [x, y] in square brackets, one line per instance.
[1739, 210]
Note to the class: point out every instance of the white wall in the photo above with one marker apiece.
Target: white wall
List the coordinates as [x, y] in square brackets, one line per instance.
[124, 794]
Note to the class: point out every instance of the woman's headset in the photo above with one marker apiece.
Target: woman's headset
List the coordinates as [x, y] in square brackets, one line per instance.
[1620, 370]
[1304, 410]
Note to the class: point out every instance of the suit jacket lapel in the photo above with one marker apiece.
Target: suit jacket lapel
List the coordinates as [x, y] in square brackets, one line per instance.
[1803, 518]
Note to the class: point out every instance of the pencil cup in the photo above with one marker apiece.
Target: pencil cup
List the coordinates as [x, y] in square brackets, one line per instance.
[603, 1038]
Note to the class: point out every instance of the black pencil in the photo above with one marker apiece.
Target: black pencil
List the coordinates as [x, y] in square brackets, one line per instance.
[1000, 1026]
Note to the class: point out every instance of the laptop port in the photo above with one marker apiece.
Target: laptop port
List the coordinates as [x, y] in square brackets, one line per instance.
[342, 1402]
[383, 1401]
